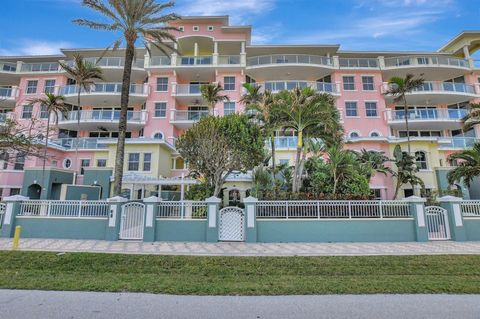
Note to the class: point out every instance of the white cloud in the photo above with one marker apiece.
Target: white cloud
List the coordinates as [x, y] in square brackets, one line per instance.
[240, 12]
[36, 47]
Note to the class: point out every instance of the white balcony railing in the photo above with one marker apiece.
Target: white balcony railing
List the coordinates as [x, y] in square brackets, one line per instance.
[40, 67]
[229, 60]
[188, 89]
[457, 142]
[187, 115]
[427, 114]
[6, 93]
[104, 116]
[406, 61]
[447, 87]
[160, 61]
[290, 59]
[194, 60]
[106, 88]
[370, 63]
[276, 86]
[80, 143]
[283, 142]
[114, 62]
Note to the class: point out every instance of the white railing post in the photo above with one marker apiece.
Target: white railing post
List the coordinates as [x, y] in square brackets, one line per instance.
[349, 209]
[286, 209]
[318, 209]
[79, 208]
[380, 208]
[49, 207]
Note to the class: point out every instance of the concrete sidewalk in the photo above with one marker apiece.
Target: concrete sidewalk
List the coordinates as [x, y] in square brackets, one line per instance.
[245, 249]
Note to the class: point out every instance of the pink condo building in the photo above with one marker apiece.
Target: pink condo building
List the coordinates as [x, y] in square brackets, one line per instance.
[165, 101]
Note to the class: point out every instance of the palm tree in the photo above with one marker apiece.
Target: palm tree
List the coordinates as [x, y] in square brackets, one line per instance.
[54, 104]
[472, 118]
[134, 20]
[306, 111]
[406, 170]
[399, 88]
[211, 95]
[468, 168]
[260, 106]
[373, 162]
[340, 164]
[84, 73]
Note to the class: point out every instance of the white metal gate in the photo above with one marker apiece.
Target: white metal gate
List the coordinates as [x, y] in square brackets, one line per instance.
[231, 226]
[132, 221]
[437, 223]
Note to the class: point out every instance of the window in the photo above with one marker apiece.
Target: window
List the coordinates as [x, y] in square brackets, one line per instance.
[421, 160]
[376, 193]
[147, 161]
[228, 108]
[49, 86]
[161, 109]
[162, 84]
[27, 111]
[67, 163]
[19, 162]
[14, 191]
[101, 163]
[181, 28]
[351, 108]
[84, 163]
[374, 134]
[158, 136]
[4, 157]
[196, 28]
[348, 83]
[283, 162]
[229, 83]
[32, 86]
[371, 109]
[367, 82]
[210, 28]
[133, 161]
[43, 112]
[354, 135]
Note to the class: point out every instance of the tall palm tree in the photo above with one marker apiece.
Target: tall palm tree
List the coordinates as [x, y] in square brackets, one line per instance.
[211, 93]
[472, 118]
[260, 106]
[468, 168]
[306, 111]
[399, 88]
[85, 73]
[54, 104]
[133, 20]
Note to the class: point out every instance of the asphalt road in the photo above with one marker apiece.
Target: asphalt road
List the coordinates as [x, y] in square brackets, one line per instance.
[58, 304]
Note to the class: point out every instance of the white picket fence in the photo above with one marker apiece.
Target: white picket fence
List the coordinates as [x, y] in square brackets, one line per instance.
[470, 208]
[182, 209]
[67, 208]
[332, 209]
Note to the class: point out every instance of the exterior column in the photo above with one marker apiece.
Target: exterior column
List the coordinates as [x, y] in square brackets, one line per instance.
[213, 204]
[12, 209]
[243, 54]
[215, 53]
[336, 62]
[381, 62]
[195, 49]
[113, 226]
[151, 207]
[251, 219]
[417, 209]
[455, 218]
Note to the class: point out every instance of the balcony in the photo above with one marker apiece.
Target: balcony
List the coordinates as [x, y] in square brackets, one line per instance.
[8, 73]
[295, 65]
[105, 94]
[323, 87]
[438, 93]
[48, 67]
[184, 119]
[283, 143]
[358, 63]
[432, 67]
[86, 143]
[91, 120]
[187, 94]
[8, 97]
[229, 60]
[112, 67]
[456, 143]
[426, 119]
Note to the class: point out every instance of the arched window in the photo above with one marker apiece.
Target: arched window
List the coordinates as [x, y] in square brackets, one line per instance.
[67, 163]
[354, 134]
[374, 134]
[158, 136]
[421, 159]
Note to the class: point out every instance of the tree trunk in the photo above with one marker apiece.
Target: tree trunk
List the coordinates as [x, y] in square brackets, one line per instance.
[295, 186]
[272, 142]
[397, 188]
[406, 123]
[45, 151]
[77, 166]
[122, 123]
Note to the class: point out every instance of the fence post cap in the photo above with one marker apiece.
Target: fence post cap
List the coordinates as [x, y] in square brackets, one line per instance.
[119, 199]
[450, 198]
[15, 198]
[415, 199]
[213, 200]
[250, 199]
[152, 199]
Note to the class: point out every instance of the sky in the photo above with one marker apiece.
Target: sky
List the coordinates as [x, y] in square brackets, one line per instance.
[31, 27]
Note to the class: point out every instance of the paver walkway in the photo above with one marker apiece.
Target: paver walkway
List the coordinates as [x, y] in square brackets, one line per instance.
[245, 249]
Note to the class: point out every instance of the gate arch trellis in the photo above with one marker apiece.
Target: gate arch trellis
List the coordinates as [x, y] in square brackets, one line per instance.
[231, 224]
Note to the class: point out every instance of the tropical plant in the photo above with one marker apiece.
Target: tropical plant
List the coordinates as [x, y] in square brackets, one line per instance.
[54, 105]
[468, 166]
[211, 94]
[133, 20]
[262, 181]
[217, 146]
[399, 88]
[307, 112]
[406, 170]
[472, 118]
[85, 73]
[199, 191]
[373, 162]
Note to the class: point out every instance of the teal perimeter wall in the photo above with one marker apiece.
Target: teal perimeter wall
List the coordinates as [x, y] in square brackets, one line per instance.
[472, 227]
[180, 230]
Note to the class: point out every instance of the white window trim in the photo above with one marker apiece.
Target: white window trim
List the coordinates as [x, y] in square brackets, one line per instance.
[49, 79]
[375, 131]
[80, 164]
[354, 131]
[231, 101]
[166, 110]
[168, 84]
[64, 163]
[143, 162]
[354, 83]
[26, 86]
[232, 76]
[140, 156]
[365, 105]
[369, 75]
[345, 104]
[101, 159]
[156, 132]
[181, 28]
[210, 28]
[196, 28]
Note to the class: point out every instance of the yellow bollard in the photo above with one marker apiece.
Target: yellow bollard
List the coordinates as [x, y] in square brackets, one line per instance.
[16, 237]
